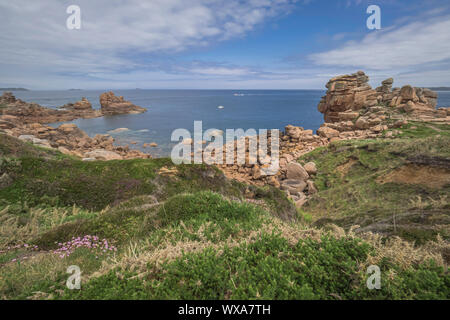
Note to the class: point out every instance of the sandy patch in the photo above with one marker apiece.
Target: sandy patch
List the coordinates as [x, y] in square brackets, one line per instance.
[432, 177]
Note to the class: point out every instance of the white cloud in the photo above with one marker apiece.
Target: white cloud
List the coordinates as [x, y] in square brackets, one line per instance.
[116, 34]
[221, 71]
[413, 45]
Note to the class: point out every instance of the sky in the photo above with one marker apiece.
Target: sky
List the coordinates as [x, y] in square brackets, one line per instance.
[221, 44]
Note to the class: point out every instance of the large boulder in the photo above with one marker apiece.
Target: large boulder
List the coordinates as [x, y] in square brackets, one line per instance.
[293, 186]
[408, 93]
[295, 171]
[82, 105]
[100, 154]
[311, 168]
[111, 105]
[327, 132]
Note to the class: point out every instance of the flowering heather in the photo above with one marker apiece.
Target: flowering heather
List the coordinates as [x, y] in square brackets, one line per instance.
[93, 243]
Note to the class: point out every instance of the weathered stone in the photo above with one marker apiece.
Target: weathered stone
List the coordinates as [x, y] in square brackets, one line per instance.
[293, 185]
[295, 171]
[100, 154]
[311, 187]
[301, 201]
[111, 104]
[256, 172]
[311, 168]
[409, 107]
[408, 93]
[362, 124]
[118, 130]
[64, 150]
[327, 132]
[26, 138]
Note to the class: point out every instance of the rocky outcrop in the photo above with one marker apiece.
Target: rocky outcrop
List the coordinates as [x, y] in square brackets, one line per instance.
[71, 140]
[352, 110]
[111, 105]
[31, 112]
[25, 112]
[81, 109]
[28, 122]
[347, 95]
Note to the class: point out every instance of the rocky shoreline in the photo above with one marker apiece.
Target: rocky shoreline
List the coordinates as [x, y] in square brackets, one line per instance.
[351, 108]
[29, 122]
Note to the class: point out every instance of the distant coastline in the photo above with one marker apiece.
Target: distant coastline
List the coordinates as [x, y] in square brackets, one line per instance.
[14, 89]
[440, 88]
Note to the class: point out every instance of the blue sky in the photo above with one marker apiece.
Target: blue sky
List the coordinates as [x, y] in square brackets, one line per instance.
[230, 44]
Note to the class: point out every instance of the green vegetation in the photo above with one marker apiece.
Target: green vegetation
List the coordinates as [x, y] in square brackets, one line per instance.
[193, 234]
[363, 183]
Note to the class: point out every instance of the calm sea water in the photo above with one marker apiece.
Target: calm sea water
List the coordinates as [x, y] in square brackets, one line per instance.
[172, 109]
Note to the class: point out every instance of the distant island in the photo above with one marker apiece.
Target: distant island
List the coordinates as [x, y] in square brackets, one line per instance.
[440, 88]
[13, 89]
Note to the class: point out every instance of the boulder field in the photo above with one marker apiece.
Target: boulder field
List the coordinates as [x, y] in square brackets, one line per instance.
[352, 110]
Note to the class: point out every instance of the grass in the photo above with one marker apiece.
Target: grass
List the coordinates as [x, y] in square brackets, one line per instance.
[270, 268]
[351, 189]
[423, 130]
[11, 147]
[194, 234]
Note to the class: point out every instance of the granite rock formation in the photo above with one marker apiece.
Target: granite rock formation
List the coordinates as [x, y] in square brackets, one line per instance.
[28, 122]
[111, 105]
[347, 95]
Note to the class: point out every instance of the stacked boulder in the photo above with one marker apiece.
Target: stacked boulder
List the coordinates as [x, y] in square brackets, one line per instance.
[417, 102]
[296, 141]
[111, 105]
[345, 96]
[352, 108]
[348, 94]
[81, 109]
[298, 184]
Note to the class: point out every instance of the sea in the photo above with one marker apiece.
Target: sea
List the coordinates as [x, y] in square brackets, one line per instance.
[169, 110]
